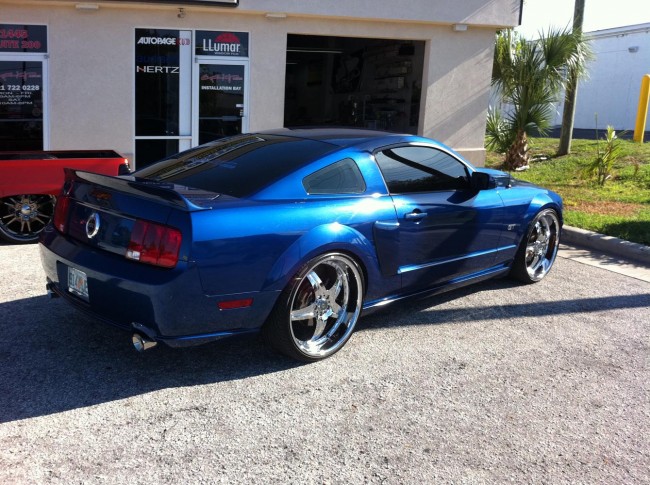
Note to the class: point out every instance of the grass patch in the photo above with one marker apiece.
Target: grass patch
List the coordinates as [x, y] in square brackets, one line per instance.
[621, 208]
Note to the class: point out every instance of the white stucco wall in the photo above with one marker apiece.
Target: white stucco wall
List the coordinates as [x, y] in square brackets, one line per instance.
[91, 65]
[622, 58]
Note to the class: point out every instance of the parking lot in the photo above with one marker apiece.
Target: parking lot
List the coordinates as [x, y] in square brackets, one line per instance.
[547, 383]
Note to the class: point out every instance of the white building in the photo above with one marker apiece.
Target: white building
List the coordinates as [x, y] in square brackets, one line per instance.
[149, 78]
[622, 58]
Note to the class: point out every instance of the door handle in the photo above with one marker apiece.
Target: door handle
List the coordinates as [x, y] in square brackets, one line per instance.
[416, 215]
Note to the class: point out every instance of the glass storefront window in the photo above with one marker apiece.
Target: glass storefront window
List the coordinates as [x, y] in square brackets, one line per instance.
[221, 100]
[157, 69]
[21, 105]
[163, 64]
[150, 151]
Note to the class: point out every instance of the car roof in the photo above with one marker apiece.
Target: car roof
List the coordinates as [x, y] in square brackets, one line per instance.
[342, 137]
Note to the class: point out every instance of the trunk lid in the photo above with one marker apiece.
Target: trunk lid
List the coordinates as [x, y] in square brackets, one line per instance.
[103, 211]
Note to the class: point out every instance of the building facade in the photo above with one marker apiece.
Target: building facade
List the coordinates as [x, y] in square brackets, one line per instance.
[150, 78]
[610, 94]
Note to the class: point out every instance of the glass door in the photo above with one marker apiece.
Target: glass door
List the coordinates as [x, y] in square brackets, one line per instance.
[220, 99]
[22, 103]
[163, 69]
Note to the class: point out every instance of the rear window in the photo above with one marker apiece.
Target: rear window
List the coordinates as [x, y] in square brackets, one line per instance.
[238, 166]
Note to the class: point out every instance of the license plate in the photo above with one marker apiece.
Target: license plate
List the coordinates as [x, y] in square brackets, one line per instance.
[78, 283]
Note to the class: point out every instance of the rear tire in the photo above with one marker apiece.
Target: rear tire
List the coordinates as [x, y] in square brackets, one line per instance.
[23, 217]
[317, 312]
[538, 248]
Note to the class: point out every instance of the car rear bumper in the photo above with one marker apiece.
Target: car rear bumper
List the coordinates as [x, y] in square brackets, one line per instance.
[165, 305]
[150, 333]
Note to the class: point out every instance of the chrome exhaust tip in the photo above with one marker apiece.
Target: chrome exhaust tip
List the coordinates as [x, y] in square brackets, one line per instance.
[50, 293]
[141, 344]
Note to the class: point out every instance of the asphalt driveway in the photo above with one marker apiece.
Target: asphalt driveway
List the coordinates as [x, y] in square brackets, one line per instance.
[548, 383]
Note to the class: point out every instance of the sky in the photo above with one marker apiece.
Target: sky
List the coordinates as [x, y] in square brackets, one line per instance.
[599, 14]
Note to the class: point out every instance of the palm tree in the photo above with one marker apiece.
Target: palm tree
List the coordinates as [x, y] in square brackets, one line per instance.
[529, 75]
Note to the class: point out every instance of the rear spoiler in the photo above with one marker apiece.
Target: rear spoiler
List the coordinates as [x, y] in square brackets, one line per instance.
[177, 196]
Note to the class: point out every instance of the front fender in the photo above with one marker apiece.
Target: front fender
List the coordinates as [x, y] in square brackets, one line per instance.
[521, 203]
[538, 203]
[542, 201]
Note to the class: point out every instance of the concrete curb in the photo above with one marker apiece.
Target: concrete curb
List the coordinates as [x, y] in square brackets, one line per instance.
[607, 244]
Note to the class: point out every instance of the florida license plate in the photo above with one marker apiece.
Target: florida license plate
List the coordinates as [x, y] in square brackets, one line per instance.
[78, 283]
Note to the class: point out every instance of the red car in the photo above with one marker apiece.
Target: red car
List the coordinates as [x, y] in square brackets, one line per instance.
[31, 181]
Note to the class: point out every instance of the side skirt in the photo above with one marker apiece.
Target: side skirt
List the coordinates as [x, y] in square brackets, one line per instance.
[494, 272]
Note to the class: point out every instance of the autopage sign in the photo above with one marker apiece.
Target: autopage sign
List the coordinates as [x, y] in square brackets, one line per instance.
[224, 44]
[23, 38]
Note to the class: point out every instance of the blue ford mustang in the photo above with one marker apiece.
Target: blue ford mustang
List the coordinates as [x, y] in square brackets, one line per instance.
[291, 232]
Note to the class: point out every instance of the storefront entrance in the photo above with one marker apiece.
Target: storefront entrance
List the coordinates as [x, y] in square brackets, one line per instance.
[190, 88]
[220, 99]
[23, 87]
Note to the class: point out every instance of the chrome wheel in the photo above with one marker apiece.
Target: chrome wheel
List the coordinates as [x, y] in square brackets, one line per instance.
[542, 245]
[538, 248]
[317, 313]
[23, 217]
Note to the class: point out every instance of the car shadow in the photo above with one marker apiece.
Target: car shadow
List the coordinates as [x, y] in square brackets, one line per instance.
[425, 311]
[55, 358]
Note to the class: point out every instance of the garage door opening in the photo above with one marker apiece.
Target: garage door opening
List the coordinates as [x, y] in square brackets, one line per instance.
[345, 81]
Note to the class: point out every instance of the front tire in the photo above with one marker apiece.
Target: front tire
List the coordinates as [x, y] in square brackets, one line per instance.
[538, 248]
[23, 217]
[316, 314]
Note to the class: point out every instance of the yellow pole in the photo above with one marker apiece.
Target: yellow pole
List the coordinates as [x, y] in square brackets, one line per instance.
[642, 112]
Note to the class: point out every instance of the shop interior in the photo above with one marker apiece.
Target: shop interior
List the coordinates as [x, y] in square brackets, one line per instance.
[344, 81]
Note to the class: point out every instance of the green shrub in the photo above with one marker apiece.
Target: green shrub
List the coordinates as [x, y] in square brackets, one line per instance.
[602, 166]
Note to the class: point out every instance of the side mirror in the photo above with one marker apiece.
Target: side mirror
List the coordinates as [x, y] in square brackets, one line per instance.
[482, 181]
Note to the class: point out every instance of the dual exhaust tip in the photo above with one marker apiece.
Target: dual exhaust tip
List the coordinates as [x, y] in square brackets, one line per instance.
[141, 343]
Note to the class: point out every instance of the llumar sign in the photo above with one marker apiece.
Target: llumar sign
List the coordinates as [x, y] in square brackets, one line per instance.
[218, 43]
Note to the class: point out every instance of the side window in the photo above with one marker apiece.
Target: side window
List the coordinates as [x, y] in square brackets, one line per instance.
[341, 177]
[421, 169]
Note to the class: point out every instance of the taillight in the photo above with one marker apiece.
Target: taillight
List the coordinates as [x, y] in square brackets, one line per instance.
[155, 244]
[61, 213]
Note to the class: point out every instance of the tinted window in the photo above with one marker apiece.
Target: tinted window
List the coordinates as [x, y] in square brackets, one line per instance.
[341, 177]
[238, 166]
[421, 169]
[21, 105]
[157, 83]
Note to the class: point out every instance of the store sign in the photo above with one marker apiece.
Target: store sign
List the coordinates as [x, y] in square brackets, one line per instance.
[226, 79]
[21, 87]
[157, 51]
[23, 38]
[216, 3]
[223, 44]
